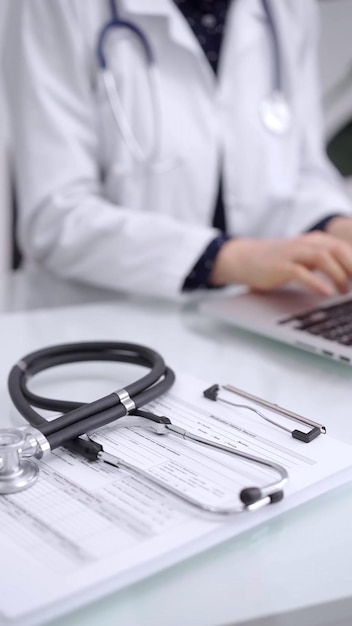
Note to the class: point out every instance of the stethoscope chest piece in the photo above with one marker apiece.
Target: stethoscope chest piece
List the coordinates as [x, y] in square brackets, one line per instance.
[276, 114]
[16, 473]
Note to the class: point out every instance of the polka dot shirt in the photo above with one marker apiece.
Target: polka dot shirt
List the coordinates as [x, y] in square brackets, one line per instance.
[207, 21]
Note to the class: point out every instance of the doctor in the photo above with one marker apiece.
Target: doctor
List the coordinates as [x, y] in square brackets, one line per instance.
[180, 150]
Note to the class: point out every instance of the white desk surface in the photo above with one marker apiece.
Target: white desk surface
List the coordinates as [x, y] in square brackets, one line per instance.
[297, 569]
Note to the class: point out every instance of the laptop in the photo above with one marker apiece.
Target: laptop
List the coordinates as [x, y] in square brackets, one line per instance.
[308, 321]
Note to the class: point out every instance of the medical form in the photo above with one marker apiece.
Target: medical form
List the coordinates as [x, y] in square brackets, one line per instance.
[86, 528]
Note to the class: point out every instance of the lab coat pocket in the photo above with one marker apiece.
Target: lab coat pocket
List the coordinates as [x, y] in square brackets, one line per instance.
[152, 187]
[282, 164]
[141, 182]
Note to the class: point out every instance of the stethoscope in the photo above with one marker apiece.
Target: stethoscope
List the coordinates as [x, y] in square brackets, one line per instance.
[274, 110]
[151, 154]
[121, 408]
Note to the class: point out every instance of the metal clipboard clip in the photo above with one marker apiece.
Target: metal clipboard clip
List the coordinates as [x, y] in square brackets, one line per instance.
[212, 393]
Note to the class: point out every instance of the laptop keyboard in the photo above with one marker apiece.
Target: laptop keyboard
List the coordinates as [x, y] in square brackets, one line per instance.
[333, 322]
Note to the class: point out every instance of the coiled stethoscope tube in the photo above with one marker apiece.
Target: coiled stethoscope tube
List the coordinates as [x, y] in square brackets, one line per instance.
[77, 419]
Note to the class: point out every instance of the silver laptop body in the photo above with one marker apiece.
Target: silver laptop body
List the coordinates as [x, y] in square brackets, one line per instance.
[305, 320]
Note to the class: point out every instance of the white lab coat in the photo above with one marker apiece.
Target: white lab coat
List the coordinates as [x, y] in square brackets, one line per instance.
[87, 211]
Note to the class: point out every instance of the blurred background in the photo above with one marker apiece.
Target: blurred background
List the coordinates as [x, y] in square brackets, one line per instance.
[336, 82]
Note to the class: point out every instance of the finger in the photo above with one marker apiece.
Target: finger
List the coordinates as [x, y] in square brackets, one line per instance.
[310, 279]
[343, 254]
[326, 262]
[341, 250]
[332, 268]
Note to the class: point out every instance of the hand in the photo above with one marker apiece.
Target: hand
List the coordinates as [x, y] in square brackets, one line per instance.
[340, 227]
[269, 264]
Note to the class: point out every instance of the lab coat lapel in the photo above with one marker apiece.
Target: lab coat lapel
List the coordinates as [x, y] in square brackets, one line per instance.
[178, 29]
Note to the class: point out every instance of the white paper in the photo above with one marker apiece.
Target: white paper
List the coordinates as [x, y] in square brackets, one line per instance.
[87, 528]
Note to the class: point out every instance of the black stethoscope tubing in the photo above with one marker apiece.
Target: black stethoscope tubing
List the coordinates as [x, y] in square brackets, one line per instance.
[80, 417]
